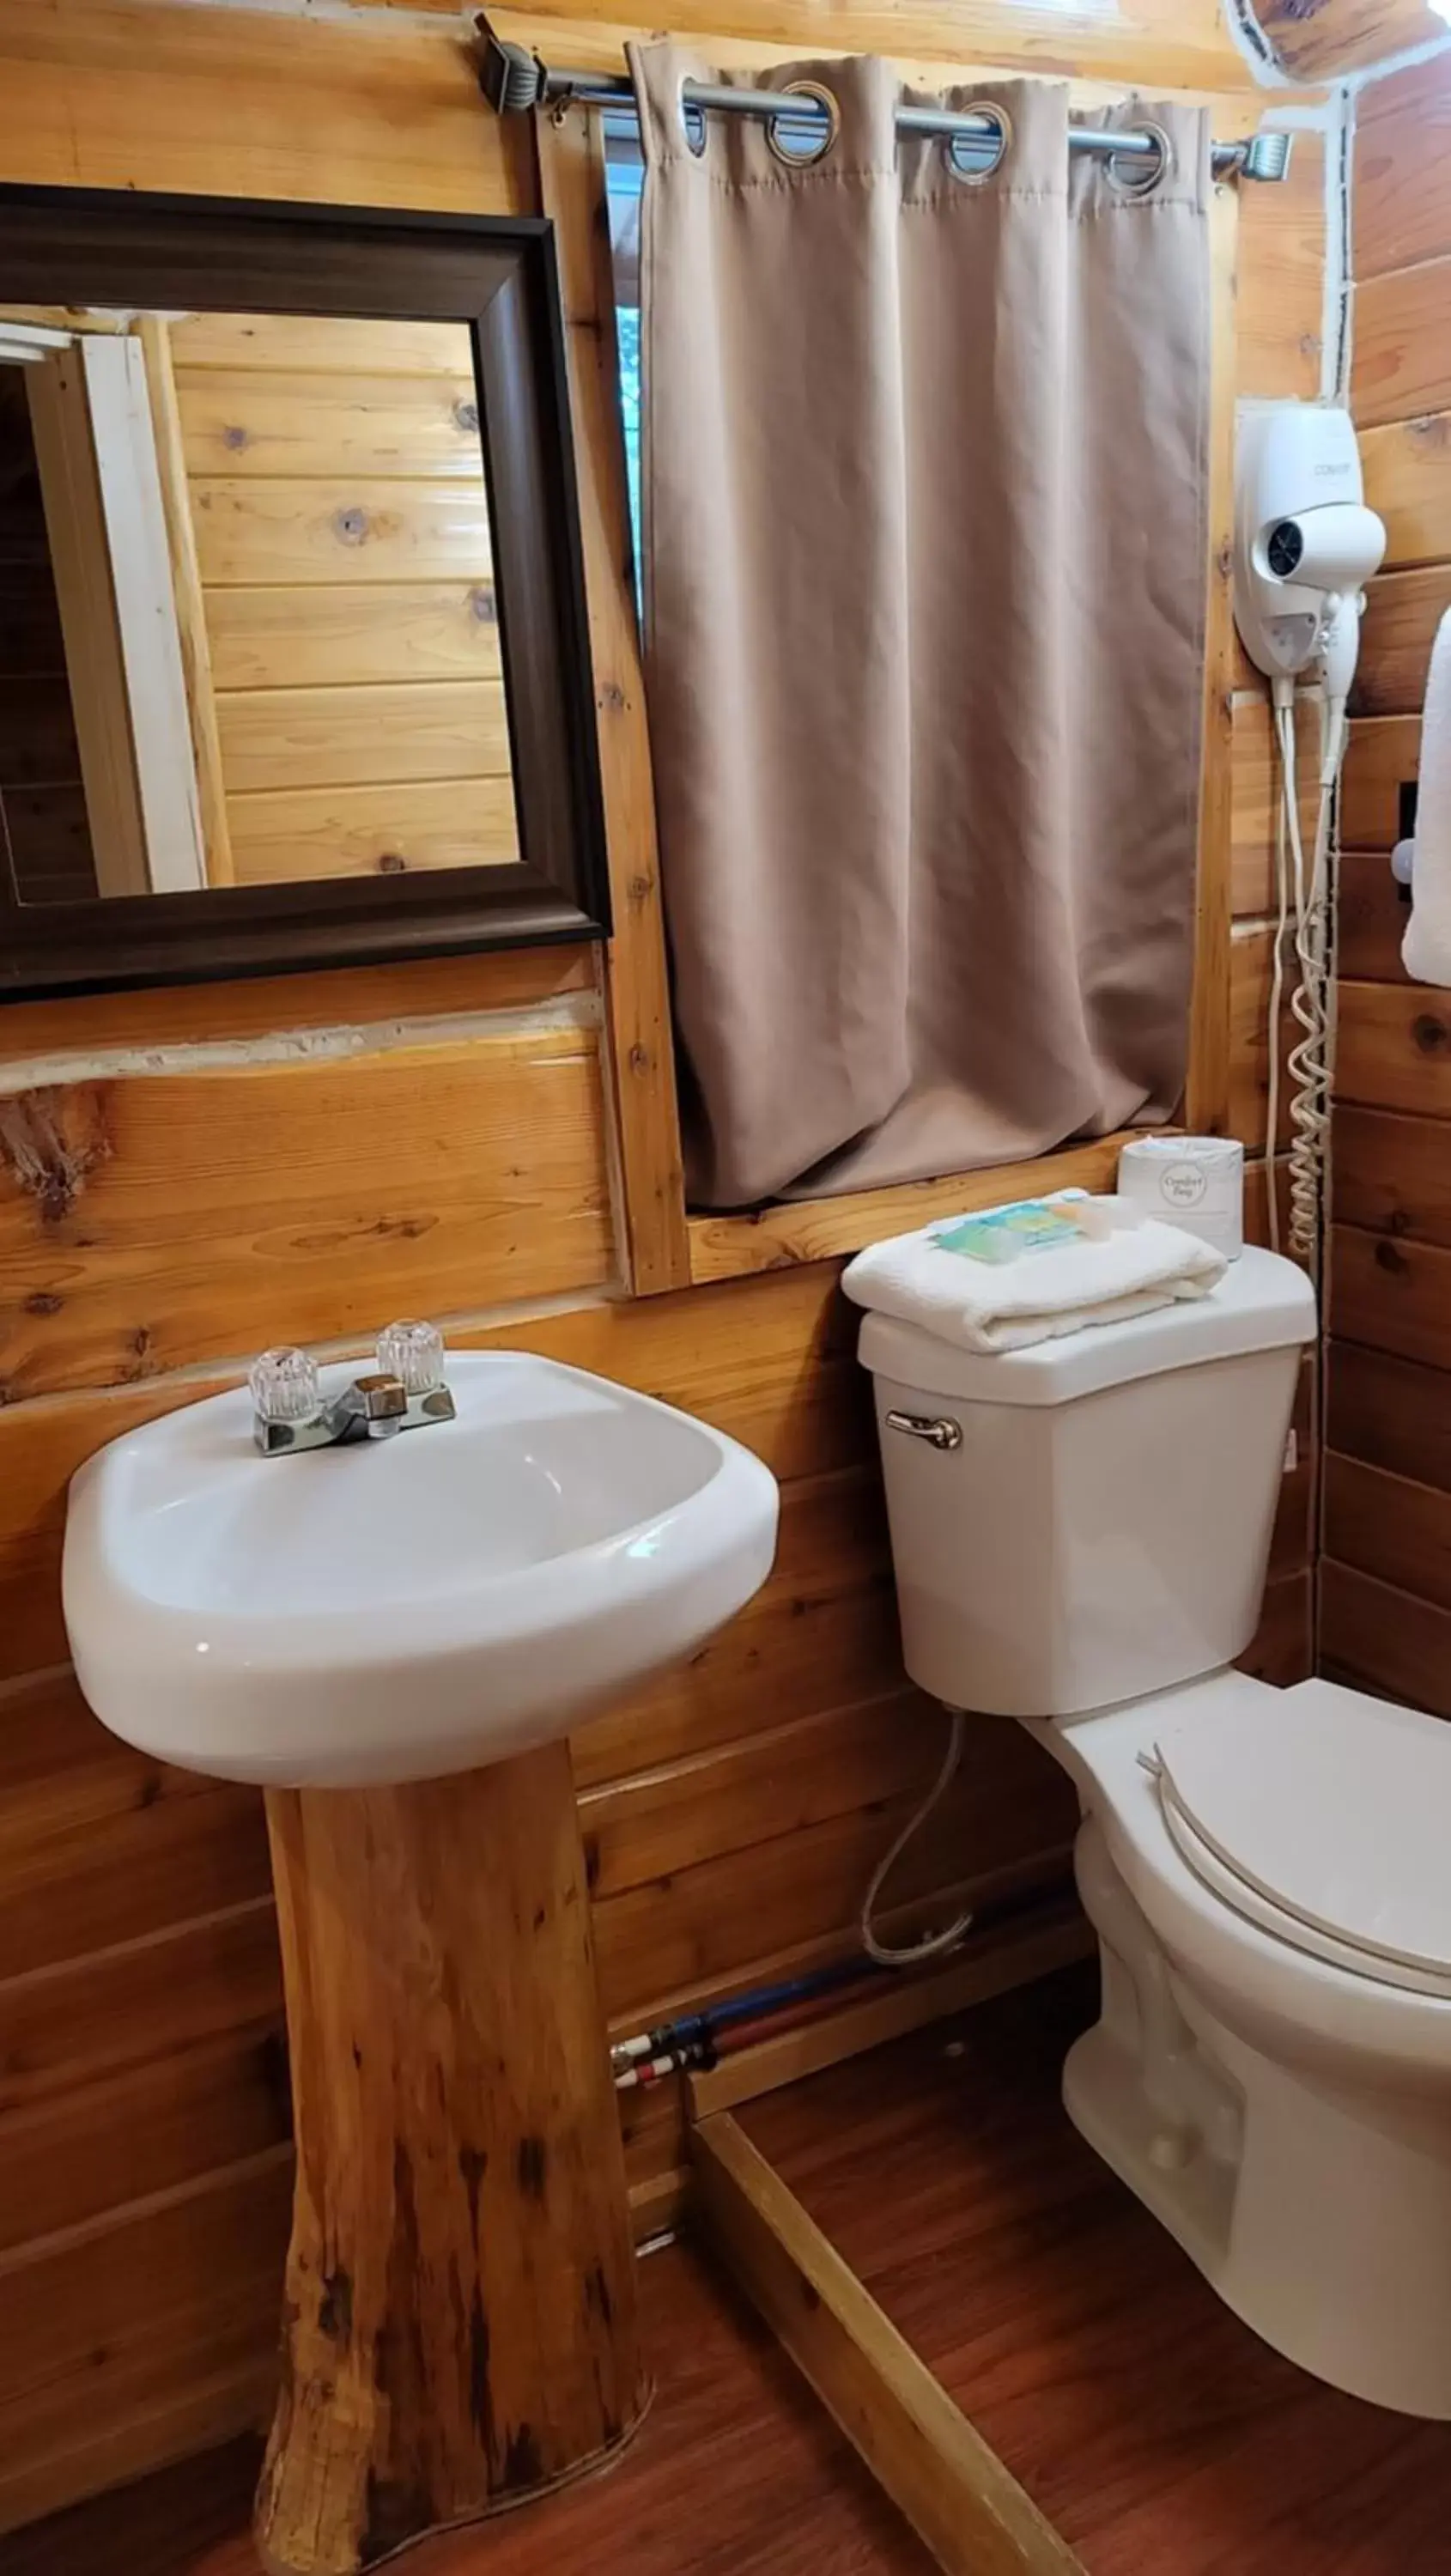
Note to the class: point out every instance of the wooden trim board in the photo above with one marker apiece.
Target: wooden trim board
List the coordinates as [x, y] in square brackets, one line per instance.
[658, 2206]
[1007, 1955]
[965, 2506]
[191, 615]
[80, 554]
[729, 1247]
[640, 1046]
[1208, 1089]
[926, 47]
[113, 368]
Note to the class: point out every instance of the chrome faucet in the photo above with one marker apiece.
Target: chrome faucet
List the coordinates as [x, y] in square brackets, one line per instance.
[405, 1392]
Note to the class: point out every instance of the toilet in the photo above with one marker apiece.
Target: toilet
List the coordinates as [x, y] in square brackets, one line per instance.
[1080, 1533]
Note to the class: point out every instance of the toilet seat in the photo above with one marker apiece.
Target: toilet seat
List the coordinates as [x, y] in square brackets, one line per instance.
[1323, 1819]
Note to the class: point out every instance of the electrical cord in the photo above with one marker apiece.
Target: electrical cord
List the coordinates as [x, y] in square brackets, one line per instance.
[1277, 1004]
[1304, 1062]
[936, 1942]
[1308, 1064]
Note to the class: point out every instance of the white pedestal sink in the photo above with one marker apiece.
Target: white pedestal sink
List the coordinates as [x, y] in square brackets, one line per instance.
[401, 1608]
[393, 1637]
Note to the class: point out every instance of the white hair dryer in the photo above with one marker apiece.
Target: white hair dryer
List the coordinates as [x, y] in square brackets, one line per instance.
[1304, 546]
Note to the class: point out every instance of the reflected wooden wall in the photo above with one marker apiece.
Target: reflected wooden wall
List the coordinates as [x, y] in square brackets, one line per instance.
[387, 1140]
[335, 481]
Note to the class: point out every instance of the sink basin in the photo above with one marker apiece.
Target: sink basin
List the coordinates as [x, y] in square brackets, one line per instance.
[402, 1608]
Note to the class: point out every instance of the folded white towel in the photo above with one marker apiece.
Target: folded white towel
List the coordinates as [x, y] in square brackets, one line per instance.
[1003, 1306]
[1426, 948]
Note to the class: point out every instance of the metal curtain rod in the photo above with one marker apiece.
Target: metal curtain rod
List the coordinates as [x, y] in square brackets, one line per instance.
[513, 80]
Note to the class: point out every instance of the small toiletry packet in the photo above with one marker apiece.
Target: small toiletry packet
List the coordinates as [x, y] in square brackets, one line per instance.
[1003, 1234]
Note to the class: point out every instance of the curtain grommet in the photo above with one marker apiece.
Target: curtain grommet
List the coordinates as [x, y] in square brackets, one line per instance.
[975, 172]
[695, 133]
[1129, 177]
[785, 153]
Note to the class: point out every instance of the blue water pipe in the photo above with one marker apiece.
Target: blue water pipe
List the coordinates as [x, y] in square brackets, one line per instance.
[690, 2039]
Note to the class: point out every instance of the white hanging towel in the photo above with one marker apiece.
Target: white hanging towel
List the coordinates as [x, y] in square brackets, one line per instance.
[1005, 1305]
[1426, 948]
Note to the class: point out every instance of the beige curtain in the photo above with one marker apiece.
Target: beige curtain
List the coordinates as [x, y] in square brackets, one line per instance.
[925, 572]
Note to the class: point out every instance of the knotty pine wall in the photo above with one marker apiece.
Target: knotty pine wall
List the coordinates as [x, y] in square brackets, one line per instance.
[1386, 1590]
[187, 1175]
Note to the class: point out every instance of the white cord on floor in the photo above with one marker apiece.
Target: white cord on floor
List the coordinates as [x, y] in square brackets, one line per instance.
[936, 1942]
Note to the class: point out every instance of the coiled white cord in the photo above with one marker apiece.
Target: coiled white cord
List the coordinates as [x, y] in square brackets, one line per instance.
[936, 1942]
[1305, 890]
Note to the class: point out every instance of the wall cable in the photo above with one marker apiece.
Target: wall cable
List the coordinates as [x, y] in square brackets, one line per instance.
[1277, 1004]
[885, 1955]
[1306, 897]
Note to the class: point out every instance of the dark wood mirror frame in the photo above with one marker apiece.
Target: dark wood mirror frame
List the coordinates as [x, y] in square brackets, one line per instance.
[63, 246]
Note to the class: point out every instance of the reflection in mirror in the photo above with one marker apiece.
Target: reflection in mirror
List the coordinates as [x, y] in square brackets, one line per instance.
[248, 632]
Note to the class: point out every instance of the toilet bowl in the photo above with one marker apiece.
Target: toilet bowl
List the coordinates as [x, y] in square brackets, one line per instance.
[1271, 2068]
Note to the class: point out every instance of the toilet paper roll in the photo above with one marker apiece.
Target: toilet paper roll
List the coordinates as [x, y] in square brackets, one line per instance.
[1194, 1182]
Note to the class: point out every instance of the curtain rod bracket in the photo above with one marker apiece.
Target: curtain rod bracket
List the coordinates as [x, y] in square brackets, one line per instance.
[511, 78]
[1266, 155]
[514, 80]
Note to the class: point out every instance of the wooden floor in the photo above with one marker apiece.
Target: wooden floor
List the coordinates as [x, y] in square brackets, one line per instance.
[736, 2473]
[1159, 2434]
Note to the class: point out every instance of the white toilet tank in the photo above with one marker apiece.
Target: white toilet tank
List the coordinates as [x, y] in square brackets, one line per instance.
[1090, 1519]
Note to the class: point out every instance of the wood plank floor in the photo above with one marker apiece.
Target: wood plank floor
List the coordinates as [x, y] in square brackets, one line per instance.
[737, 2472]
[1159, 2434]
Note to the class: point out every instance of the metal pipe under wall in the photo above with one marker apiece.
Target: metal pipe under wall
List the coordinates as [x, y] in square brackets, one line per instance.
[689, 2040]
[514, 80]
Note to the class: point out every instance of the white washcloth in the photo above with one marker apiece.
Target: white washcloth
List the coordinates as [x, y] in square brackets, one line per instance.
[1003, 1306]
[1426, 948]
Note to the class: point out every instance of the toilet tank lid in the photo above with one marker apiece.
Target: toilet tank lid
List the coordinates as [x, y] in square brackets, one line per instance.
[1262, 1303]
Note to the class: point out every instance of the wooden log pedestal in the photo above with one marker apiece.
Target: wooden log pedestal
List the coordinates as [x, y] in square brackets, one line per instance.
[459, 2324]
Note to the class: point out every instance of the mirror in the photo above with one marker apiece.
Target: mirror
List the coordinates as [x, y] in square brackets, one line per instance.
[247, 610]
[293, 661]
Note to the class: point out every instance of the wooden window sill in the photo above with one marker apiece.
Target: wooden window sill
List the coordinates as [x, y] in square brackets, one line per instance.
[772, 1238]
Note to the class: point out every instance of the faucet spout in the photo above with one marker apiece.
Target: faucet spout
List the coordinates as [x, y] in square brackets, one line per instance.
[290, 1412]
[372, 1408]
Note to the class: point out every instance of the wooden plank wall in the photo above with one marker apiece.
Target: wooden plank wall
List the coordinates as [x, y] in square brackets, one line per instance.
[336, 485]
[1386, 1586]
[431, 1139]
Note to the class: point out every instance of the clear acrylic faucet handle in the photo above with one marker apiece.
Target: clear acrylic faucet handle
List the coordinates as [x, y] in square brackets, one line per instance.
[414, 1354]
[284, 1386]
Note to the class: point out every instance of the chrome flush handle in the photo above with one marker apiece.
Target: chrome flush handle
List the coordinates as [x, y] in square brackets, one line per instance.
[937, 1428]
